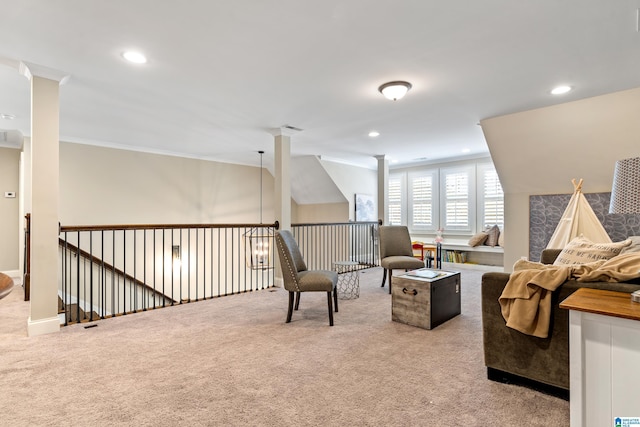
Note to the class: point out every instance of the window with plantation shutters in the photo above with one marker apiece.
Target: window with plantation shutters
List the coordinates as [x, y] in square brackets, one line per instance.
[491, 197]
[457, 199]
[395, 200]
[462, 198]
[423, 200]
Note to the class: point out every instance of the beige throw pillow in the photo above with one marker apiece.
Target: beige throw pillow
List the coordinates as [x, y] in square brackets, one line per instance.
[633, 247]
[582, 251]
[478, 239]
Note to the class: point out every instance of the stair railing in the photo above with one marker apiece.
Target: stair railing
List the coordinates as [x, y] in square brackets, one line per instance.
[112, 270]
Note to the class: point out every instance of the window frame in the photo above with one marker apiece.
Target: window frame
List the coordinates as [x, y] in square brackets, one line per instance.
[401, 176]
[469, 171]
[435, 200]
[481, 169]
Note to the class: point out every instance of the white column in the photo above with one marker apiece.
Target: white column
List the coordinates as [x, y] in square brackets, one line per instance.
[383, 188]
[282, 193]
[45, 114]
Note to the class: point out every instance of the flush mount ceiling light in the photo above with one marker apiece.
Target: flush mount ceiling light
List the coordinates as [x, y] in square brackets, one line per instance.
[135, 57]
[559, 90]
[7, 116]
[374, 133]
[395, 90]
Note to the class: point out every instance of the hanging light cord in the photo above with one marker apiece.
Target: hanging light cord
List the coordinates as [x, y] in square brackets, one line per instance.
[261, 153]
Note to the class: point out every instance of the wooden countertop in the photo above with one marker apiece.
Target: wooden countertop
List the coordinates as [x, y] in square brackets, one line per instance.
[598, 301]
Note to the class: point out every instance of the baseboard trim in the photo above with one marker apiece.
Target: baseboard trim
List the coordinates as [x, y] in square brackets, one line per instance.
[14, 274]
[508, 378]
[43, 326]
[278, 282]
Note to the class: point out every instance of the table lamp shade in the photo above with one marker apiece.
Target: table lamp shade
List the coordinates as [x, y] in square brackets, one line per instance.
[625, 194]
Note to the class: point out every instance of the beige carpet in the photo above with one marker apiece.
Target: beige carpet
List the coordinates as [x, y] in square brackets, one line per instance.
[233, 361]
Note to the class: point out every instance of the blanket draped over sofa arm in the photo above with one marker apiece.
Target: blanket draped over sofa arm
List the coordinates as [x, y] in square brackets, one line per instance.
[526, 299]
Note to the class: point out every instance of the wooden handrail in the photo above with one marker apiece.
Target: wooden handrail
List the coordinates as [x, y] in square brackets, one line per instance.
[68, 228]
[309, 224]
[27, 257]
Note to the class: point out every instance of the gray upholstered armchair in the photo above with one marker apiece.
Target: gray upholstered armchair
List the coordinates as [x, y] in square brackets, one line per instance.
[298, 279]
[396, 251]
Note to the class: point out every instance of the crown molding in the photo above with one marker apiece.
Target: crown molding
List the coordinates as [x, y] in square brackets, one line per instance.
[30, 70]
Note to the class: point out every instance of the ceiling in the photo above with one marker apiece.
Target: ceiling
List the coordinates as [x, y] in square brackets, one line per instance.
[222, 74]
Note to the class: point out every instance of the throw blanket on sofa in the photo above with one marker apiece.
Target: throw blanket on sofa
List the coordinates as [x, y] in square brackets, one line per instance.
[526, 299]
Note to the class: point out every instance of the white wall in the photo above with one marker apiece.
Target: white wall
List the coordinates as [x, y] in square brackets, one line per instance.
[540, 151]
[352, 180]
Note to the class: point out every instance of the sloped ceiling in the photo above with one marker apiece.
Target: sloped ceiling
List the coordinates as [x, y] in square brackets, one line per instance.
[311, 184]
[540, 151]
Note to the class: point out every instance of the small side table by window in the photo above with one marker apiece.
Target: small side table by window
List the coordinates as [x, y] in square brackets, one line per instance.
[348, 280]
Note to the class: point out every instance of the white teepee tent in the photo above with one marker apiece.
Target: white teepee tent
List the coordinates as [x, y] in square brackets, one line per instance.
[578, 219]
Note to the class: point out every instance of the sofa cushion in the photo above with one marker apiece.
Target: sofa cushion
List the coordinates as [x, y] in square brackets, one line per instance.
[581, 250]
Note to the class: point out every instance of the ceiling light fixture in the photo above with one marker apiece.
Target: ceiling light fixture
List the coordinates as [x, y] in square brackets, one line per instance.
[559, 90]
[135, 57]
[395, 90]
[7, 116]
[374, 133]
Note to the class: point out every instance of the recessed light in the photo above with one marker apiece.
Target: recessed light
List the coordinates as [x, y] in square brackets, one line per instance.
[135, 57]
[559, 90]
[7, 116]
[374, 133]
[466, 150]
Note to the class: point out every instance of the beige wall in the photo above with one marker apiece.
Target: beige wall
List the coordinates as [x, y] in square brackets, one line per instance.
[327, 212]
[540, 151]
[10, 222]
[108, 186]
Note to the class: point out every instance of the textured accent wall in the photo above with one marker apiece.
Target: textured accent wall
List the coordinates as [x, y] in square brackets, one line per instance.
[545, 213]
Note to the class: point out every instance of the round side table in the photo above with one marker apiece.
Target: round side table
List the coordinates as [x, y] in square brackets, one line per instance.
[348, 279]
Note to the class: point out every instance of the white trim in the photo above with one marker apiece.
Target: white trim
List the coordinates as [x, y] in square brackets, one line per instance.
[466, 247]
[30, 70]
[43, 326]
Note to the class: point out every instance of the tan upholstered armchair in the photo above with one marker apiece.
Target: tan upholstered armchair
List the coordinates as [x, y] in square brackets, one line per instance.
[298, 279]
[396, 251]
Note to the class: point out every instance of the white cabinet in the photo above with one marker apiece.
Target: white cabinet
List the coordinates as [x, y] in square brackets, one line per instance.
[604, 340]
